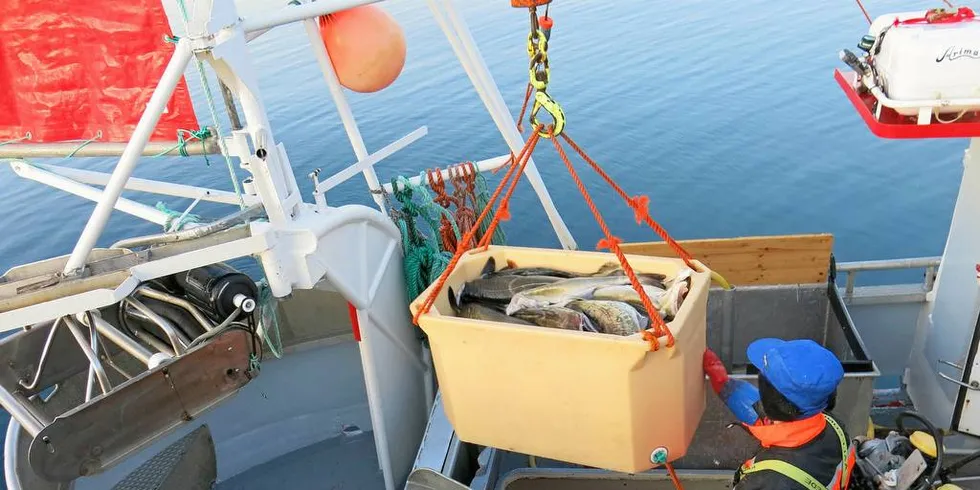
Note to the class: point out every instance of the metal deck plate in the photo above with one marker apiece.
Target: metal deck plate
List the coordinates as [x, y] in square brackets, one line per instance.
[188, 464]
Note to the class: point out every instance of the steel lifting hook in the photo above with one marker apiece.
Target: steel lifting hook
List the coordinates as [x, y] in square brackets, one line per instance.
[543, 100]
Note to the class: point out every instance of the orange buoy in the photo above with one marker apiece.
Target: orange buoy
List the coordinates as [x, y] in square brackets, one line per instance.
[366, 46]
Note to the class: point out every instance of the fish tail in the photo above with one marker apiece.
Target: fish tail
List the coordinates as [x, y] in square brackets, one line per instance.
[587, 325]
[489, 268]
[518, 303]
[454, 298]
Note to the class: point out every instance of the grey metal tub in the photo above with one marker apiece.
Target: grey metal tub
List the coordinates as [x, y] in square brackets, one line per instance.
[809, 311]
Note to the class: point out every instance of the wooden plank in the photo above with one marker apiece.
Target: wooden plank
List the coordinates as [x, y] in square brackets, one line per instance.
[779, 259]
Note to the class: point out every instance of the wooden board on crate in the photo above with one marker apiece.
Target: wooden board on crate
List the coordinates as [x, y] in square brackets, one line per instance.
[781, 259]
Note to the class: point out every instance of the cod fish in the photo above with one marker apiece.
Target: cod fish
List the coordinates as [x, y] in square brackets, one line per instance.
[477, 311]
[627, 294]
[500, 288]
[607, 269]
[683, 275]
[612, 317]
[557, 317]
[671, 302]
[561, 293]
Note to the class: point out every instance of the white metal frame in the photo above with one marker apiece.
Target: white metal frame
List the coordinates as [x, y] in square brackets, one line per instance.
[217, 35]
[297, 246]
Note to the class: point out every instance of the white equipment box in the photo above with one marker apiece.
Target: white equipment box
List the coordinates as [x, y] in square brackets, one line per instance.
[921, 64]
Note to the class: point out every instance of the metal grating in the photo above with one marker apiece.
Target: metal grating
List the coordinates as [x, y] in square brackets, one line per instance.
[187, 464]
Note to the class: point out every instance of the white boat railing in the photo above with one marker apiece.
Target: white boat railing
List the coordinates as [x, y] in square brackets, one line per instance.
[851, 270]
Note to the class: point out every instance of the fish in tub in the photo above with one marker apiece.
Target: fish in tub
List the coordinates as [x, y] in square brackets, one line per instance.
[600, 302]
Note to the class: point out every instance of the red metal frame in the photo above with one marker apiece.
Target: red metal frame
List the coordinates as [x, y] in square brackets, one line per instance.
[355, 325]
[896, 126]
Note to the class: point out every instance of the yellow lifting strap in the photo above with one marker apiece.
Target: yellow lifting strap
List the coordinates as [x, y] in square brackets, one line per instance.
[787, 470]
[791, 471]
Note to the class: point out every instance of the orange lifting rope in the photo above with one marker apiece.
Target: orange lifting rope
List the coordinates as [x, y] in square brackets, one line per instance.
[639, 203]
[611, 242]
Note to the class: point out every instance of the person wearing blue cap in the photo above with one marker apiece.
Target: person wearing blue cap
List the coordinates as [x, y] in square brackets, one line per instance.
[803, 445]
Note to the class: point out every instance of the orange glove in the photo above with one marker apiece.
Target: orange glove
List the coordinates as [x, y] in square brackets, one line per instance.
[715, 370]
[739, 395]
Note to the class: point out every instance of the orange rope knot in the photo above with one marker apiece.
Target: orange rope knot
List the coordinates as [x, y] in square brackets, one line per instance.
[504, 212]
[676, 247]
[641, 207]
[609, 243]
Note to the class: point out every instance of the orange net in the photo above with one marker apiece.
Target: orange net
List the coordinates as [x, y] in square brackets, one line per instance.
[447, 232]
[463, 178]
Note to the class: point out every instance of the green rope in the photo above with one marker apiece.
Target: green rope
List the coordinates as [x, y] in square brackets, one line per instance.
[181, 146]
[426, 256]
[424, 259]
[214, 114]
[22, 138]
[482, 199]
[269, 320]
[176, 216]
[430, 211]
[85, 143]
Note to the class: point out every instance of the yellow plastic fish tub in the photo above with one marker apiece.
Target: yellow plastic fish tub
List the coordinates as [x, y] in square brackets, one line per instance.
[597, 400]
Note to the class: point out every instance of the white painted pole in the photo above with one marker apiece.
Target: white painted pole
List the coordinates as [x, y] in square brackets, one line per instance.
[343, 108]
[152, 186]
[464, 46]
[368, 162]
[141, 211]
[487, 165]
[148, 121]
[294, 13]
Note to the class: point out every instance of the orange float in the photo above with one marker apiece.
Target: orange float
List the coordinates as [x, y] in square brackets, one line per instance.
[366, 46]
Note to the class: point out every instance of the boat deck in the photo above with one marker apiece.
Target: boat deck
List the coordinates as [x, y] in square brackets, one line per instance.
[345, 462]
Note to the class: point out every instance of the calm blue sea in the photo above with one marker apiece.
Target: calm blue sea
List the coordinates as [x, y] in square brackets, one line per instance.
[725, 113]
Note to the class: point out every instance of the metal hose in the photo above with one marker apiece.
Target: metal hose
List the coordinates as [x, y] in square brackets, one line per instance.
[222, 224]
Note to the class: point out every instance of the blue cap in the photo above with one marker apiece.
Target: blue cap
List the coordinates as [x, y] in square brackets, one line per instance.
[801, 370]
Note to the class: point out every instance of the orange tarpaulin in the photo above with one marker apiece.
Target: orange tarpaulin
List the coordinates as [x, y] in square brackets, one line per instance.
[72, 68]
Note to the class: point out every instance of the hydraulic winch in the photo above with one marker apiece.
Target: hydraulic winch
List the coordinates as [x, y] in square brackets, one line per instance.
[905, 459]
